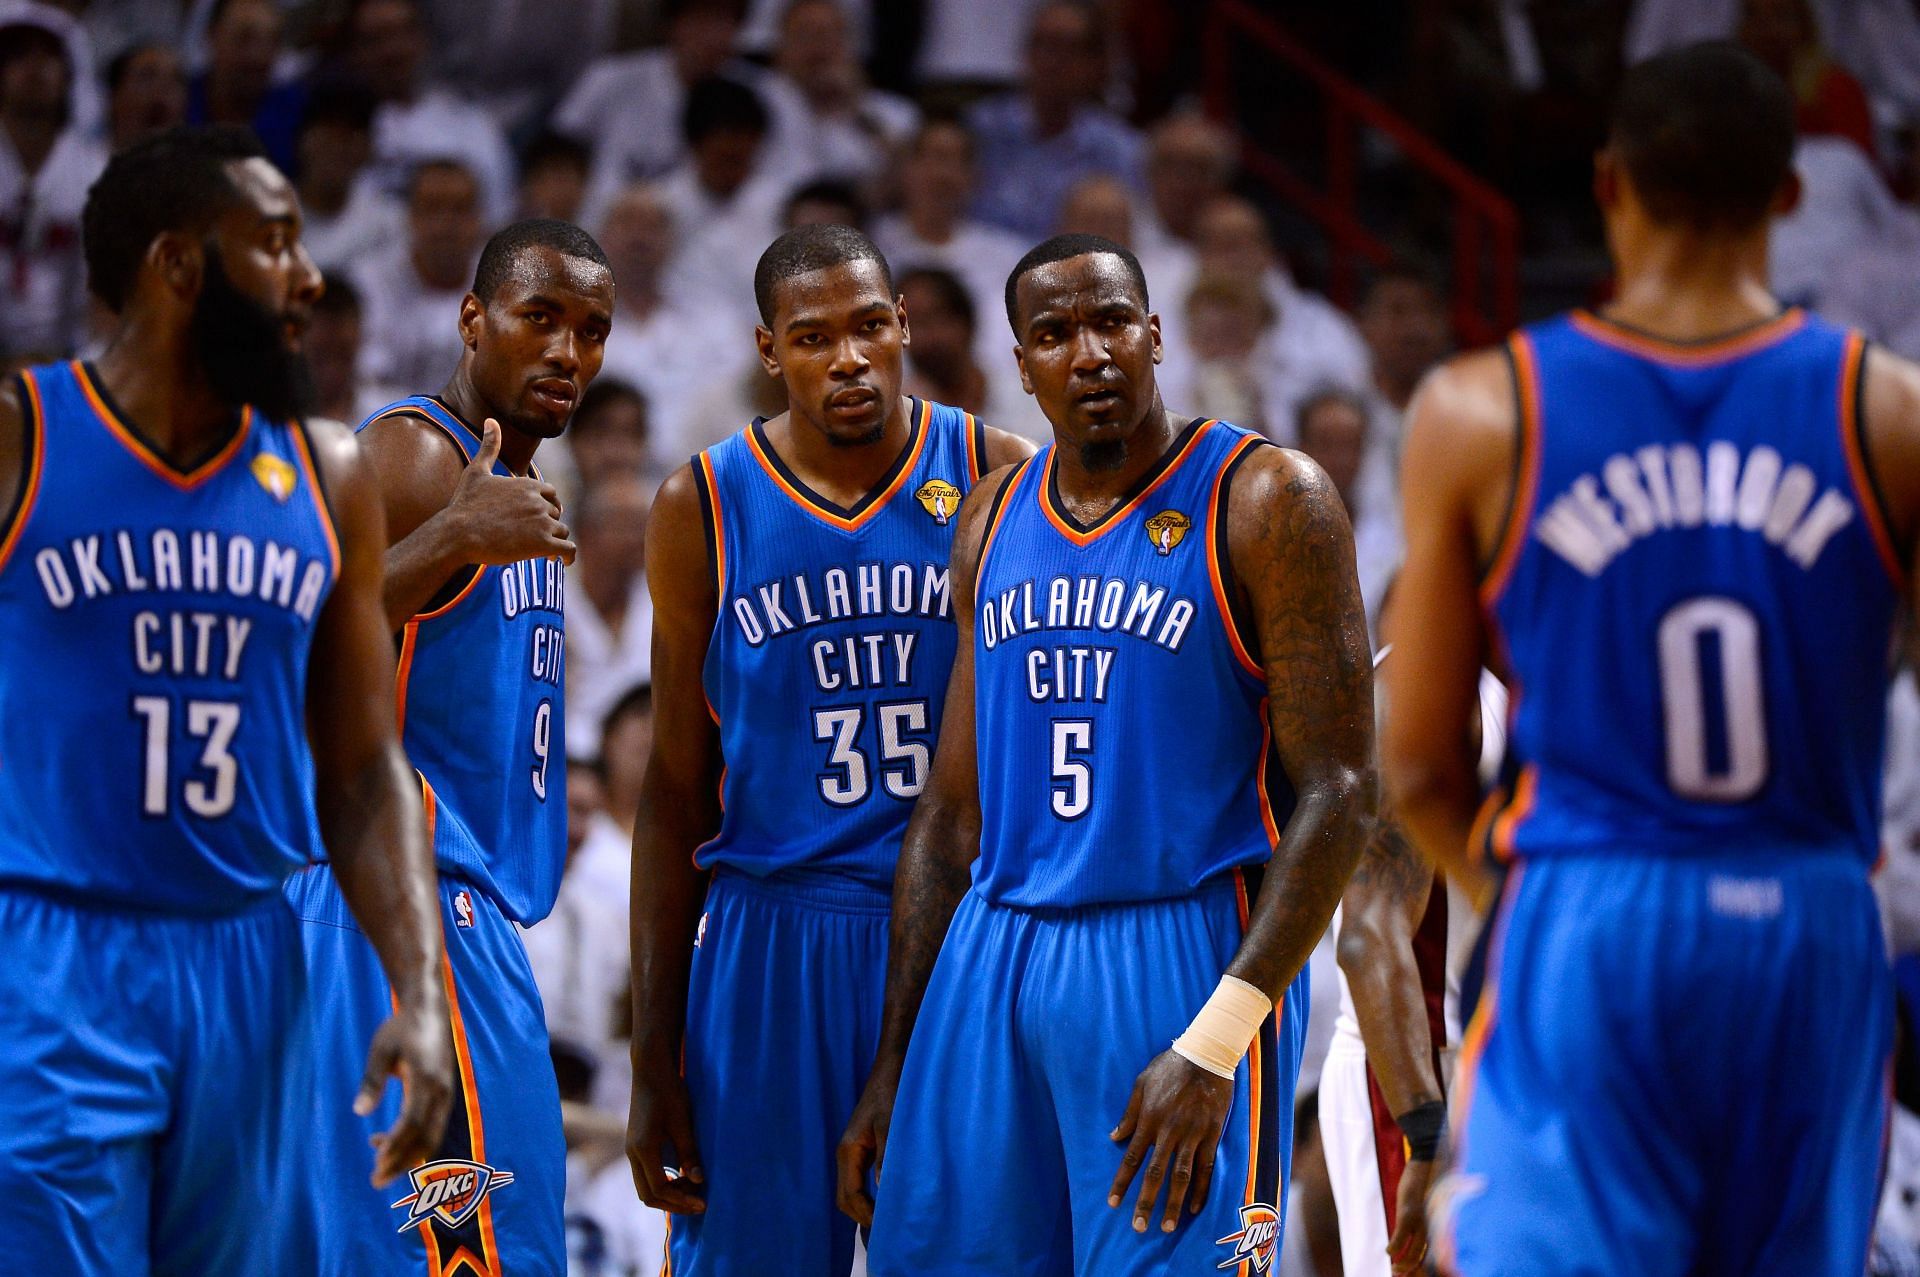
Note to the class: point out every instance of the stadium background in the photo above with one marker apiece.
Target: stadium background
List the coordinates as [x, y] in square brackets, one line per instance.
[1327, 199]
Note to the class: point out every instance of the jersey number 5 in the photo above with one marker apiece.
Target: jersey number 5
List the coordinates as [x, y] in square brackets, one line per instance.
[1712, 701]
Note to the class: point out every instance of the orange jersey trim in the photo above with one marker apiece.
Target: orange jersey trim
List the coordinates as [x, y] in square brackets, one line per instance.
[1526, 484]
[1506, 826]
[998, 517]
[402, 674]
[144, 453]
[1853, 367]
[976, 459]
[476, 1130]
[1267, 817]
[1113, 518]
[879, 503]
[1681, 354]
[1216, 570]
[719, 533]
[36, 464]
[1244, 907]
[312, 471]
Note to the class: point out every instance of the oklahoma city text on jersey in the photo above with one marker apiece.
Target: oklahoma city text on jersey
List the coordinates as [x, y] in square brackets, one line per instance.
[804, 600]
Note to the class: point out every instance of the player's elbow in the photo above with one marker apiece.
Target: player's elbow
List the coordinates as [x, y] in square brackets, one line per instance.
[1360, 943]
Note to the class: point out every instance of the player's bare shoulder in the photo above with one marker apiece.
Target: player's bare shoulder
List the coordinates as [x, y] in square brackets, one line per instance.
[970, 526]
[1004, 448]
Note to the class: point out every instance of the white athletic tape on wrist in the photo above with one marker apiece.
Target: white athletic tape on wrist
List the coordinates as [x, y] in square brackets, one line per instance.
[1220, 1035]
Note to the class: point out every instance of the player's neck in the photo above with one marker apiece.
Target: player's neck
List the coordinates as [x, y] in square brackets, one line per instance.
[840, 473]
[158, 386]
[1140, 452]
[1692, 287]
[516, 447]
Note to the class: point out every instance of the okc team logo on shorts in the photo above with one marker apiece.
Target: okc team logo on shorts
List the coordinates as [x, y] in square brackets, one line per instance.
[1258, 1239]
[462, 909]
[940, 498]
[449, 1191]
[1168, 529]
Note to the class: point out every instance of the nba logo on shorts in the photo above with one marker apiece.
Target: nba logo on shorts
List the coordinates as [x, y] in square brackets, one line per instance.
[1258, 1239]
[462, 909]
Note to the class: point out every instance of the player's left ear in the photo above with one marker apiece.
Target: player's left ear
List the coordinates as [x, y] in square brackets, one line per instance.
[473, 314]
[179, 262]
[900, 313]
[1153, 334]
[763, 342]
[1020, 360]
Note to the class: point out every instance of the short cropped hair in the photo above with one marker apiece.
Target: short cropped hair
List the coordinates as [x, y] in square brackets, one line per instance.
[503, 251]
[806, 249]
[1062, 248]
[172, 181]
[1706, 134]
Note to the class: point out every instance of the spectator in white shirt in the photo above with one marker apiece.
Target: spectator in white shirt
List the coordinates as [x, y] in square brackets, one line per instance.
[1332, 429]
[412, 291]
[332, 347]
[1190, 162]
[1035, 144]
[346, 215]
[553, 178]
[416, 120]
[146, 94]
[627, 107]
[662, 341]
[46, 165]
[827, 121]
[933, 228]
[609, 613]
[725, 202]
[941, 361]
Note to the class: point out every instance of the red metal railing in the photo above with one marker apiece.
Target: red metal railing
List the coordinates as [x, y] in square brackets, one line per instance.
[1486, 229]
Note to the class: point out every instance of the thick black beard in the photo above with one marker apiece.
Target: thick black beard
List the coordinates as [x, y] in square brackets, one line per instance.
[242, 347]
[866, 440]
[1105, 454]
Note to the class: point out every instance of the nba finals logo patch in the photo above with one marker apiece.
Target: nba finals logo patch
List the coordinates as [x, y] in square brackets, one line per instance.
[275, 475]
[462, 908]
[1168, 529]
[1258, 1240]
[449, 1191]
[940, 498]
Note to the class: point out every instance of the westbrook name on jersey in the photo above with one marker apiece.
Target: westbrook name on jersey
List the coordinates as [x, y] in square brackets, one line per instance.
[828, 667]
[169, 613]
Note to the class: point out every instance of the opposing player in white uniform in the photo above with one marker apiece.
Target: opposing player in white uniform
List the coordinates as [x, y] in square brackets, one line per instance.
[1403, 940]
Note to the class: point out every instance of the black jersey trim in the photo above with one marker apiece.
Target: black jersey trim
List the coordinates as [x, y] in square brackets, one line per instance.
[1176, 451]
[917, 426]
[977, 447]
[1233, 609]
[192, 471]
[709, 520]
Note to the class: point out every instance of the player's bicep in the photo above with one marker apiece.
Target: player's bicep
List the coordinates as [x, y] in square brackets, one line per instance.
[350, 680]
[681, 580]
[1291, 547]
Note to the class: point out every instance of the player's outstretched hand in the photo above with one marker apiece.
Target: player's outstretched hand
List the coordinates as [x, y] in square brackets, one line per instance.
[415, 1045]
[864, 1146]
[1407, 1248]
[507, 518]
[1176, 1113]
[660, 1131]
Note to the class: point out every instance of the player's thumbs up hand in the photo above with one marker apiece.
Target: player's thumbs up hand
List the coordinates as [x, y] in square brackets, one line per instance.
[507, 518]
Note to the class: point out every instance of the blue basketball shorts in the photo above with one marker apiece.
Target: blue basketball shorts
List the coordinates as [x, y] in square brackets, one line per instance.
[1034, 1027]
[1679, 1068]
[146, 1061]
[783, 1019]
[489, 1201]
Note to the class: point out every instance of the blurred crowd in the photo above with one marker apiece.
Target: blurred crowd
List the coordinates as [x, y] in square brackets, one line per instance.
[686, 134]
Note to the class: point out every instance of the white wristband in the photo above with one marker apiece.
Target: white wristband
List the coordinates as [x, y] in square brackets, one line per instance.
[1220, 1035]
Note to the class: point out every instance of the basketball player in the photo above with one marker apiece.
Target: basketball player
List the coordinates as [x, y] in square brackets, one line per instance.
[193, 671]
[1683, 525]
[1168, 682]
[1404, 937]
[474, 595]
[803, 634]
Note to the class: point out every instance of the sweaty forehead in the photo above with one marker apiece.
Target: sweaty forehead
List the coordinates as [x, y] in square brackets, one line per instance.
[844, 287]
[552, 273]
[264, 191]
[1077, 281]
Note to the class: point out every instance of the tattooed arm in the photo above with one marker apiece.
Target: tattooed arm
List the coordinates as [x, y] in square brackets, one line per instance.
[936, 859]
[1291, 553]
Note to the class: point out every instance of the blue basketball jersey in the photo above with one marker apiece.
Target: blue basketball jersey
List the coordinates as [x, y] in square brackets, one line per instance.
[828, 666]
[155, 625]
[482, 715]
[1695, 595]
[1120, 714]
